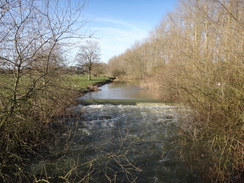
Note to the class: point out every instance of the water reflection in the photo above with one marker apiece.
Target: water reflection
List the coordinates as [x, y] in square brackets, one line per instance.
[120, 90]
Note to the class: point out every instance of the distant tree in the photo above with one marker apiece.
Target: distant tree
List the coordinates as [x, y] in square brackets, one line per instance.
[88, 56]
[32, 35]
[117, 66]
[99, 68]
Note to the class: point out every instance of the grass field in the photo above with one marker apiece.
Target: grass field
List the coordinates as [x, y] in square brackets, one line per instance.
[80, 82]
[71, 81]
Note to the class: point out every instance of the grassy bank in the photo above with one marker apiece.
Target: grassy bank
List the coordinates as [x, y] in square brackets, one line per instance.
[80, 82]
[75, 82]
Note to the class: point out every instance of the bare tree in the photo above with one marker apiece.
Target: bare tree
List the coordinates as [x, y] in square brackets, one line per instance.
[196, 56]
[31, 34]
[117, 66]
[88, 56]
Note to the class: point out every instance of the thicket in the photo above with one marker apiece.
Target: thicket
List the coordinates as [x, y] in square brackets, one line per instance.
[196, 56]
[33, 96]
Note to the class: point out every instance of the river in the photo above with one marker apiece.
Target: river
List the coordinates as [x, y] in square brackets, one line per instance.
[123, 143]
[120, 90]
[120, 93]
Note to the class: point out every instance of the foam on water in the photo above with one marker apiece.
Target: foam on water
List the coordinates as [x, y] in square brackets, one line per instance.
[127, 143]
[146, 134]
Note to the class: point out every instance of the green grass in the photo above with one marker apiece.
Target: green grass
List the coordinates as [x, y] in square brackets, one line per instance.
[80, 82]
[6, 79]
[6, 82]
[73, 81]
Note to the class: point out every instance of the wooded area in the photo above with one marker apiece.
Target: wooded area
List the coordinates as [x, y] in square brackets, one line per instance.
[196, 56]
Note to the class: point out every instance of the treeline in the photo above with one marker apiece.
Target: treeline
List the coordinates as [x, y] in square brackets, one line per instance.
[196, 56]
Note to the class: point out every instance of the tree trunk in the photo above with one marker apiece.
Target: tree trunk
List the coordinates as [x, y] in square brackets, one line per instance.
[89, 73]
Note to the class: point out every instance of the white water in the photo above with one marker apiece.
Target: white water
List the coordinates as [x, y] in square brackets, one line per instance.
[122, 143]
[146, 136]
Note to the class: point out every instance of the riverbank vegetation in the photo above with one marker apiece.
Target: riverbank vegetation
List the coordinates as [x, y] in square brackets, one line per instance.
[38, 122]
[35, 87]
[195, 56]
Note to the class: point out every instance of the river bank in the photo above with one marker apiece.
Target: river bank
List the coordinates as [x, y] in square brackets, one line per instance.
[95, 86]
[33, 124]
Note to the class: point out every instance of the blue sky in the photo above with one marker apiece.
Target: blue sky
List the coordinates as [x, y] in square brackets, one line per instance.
[117, 24]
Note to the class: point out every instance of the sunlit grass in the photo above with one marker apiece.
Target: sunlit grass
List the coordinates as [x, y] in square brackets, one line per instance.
[71, 81]
[6, 84]
[79, 82]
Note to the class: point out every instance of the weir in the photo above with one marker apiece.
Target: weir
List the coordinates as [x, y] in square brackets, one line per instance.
[121, 102]
[126, 137]
[138, 132]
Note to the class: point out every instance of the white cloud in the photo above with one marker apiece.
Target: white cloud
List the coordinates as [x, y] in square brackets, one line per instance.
[116, 36]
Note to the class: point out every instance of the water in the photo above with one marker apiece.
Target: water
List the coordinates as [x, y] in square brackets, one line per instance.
[146, 136]
[121, 91]
[122, 143]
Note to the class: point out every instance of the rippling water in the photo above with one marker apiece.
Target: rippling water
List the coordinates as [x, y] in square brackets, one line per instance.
[120, 143]
[142, 139]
